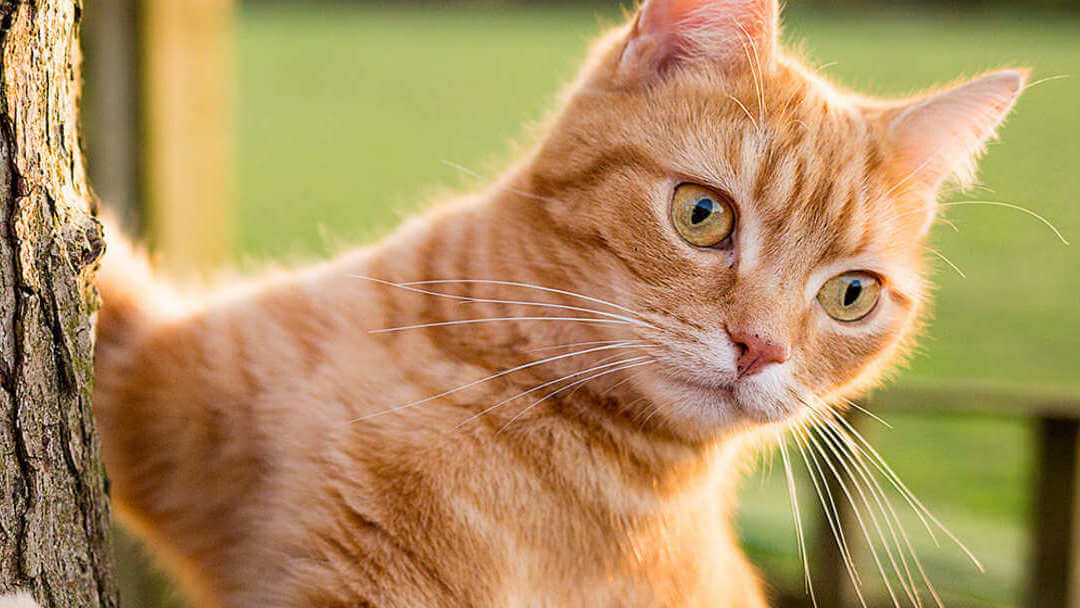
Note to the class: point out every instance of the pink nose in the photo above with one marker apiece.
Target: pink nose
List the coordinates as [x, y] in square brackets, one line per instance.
[757, 352]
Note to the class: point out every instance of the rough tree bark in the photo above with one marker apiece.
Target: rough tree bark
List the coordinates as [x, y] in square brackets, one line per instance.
[54, 518]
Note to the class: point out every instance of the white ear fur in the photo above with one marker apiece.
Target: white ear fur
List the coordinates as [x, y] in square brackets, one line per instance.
[730, 34]
[942, 136]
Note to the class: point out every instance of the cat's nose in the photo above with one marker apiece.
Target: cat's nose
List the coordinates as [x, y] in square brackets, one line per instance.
[757, 351]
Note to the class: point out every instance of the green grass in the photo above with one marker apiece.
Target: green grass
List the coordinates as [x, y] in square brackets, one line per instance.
[347, 115]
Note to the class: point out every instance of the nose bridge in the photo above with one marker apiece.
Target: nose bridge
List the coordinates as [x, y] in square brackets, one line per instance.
[765, 305]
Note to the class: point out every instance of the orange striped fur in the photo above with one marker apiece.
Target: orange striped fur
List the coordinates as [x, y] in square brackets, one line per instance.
[255, 433]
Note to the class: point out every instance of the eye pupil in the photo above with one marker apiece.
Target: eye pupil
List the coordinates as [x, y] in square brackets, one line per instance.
[702, 210]
[852, 293]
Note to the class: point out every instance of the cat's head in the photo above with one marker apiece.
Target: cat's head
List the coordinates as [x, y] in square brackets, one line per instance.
[769, 226]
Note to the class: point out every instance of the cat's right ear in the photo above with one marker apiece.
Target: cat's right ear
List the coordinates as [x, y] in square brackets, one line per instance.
[729, 35]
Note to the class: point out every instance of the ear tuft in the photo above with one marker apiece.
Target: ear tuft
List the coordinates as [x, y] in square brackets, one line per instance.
[941, 136]
[729, 34]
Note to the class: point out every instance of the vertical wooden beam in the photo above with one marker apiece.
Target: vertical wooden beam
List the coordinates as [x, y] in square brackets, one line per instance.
[111, 106]
[831, 581]
[1055, 571]
[831, 578]
[187, 107]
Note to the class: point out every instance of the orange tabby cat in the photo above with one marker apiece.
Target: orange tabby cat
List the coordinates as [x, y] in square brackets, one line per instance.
[710, 242]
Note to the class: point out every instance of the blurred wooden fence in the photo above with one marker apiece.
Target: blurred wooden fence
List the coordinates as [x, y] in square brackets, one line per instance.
[158, 114]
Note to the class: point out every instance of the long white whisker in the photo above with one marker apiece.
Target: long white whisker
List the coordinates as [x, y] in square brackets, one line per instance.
[1042, 219]
[862, 523]
[828, 419]
[569, 386]
[868, 413]
[547, 384]
[885, 507]
[793, 495]
[832, 515]
[580, 344]
[886, 470]
[496, 320]
[942, 257]
[487, 378]
[471, 173]
[471, 299]
[1044, 80]
[524, 285]
[842, 538]
[857, 460]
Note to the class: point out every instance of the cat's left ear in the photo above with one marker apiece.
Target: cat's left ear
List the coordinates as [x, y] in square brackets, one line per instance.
[941, 136]
[730, 35]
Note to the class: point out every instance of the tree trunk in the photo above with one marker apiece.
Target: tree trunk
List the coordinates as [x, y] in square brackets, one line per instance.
[54, 517]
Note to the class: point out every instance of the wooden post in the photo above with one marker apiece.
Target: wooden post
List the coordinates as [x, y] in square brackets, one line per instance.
[831, 579]
[187, 136]
[1055, 571]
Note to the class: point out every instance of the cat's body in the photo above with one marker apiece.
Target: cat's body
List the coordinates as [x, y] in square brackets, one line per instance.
[239, 437]
[281, 451]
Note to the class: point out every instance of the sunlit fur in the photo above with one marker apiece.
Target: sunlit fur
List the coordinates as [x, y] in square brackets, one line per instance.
[277, 452]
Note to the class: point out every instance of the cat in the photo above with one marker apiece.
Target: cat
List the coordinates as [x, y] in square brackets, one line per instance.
[544, 393]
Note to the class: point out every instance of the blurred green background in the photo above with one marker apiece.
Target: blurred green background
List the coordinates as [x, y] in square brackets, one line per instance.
[348, 113]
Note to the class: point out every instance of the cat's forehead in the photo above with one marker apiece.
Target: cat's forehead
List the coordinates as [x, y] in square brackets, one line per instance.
[807, 173]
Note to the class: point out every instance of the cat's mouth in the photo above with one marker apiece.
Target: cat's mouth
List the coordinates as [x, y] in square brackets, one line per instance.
[731, 397]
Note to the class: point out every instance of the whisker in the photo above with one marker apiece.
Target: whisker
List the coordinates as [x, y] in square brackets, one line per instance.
[655, 410]
[793, 495]
[832, 514]
[884, 507]
[568, 386]
[471, 299]
[814, 450]
[545, 385]
[855, 482]
[857, 460]
[476, 175]
[842, 436]
[913, 173]
[496, 320]
[942, 257]
[579, 344]
[628, 378]
[487, 378]
[866, 412]
[886, 470]
[524, 285]
[1042, 219]
[1044, 80]
[747, 112]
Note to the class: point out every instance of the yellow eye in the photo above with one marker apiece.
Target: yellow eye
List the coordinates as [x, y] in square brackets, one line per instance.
[702, 216]
[850, 296]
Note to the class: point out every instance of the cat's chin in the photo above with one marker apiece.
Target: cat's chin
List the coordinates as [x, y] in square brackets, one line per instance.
[722, 406]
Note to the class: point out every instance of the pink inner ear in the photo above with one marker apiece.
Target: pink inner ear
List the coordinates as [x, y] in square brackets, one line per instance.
[944, 134]
[717, 19]
[717, 31]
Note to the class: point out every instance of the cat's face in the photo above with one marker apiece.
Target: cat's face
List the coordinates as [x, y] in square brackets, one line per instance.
[769, 228]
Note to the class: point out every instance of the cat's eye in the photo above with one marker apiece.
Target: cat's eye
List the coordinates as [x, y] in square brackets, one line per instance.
[704, 217]
[850, 296]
